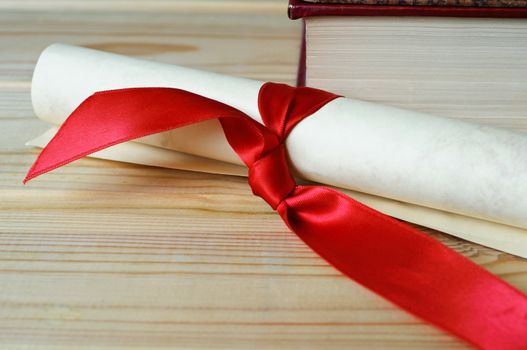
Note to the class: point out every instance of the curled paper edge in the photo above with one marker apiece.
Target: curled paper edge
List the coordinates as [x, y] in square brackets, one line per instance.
[506, 238]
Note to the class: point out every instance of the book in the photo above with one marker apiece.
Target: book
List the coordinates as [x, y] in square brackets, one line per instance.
[439, 57]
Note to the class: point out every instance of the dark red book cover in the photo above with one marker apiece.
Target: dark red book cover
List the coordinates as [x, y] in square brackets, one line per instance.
[302, 9]
[468, 3]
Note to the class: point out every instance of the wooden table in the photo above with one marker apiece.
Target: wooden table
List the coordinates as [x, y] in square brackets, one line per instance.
[103, 255]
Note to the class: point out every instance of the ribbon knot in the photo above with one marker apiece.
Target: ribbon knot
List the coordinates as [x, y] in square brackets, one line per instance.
[281, 107]
[270, 178]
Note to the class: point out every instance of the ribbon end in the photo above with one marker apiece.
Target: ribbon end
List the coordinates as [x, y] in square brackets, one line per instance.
[32, 173]
[28, 178]
[45, 163]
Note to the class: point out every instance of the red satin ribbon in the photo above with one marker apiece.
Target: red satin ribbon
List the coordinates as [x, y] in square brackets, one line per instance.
[392, 259]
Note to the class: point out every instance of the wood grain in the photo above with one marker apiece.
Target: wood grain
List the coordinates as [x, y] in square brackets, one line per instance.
[113, 256]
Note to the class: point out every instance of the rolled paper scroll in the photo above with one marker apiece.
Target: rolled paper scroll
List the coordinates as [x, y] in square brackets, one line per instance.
[464, 179]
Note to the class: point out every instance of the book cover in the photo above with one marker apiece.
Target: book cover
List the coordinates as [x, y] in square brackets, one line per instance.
[465, 3]
[444, 8]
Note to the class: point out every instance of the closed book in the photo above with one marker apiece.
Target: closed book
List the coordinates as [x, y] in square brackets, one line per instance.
[462, 59]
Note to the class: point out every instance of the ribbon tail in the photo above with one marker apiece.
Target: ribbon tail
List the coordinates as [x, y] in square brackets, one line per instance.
[110, 117]
[408, 268]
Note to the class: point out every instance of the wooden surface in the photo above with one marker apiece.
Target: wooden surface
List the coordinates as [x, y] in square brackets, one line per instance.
[105, 255]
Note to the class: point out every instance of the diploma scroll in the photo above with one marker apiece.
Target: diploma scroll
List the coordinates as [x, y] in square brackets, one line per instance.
[464, 179]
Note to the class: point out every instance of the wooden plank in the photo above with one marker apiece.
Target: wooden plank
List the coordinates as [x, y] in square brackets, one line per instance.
[111, 256]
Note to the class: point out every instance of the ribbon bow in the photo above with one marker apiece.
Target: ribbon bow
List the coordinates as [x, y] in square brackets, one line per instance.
[390, 258]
